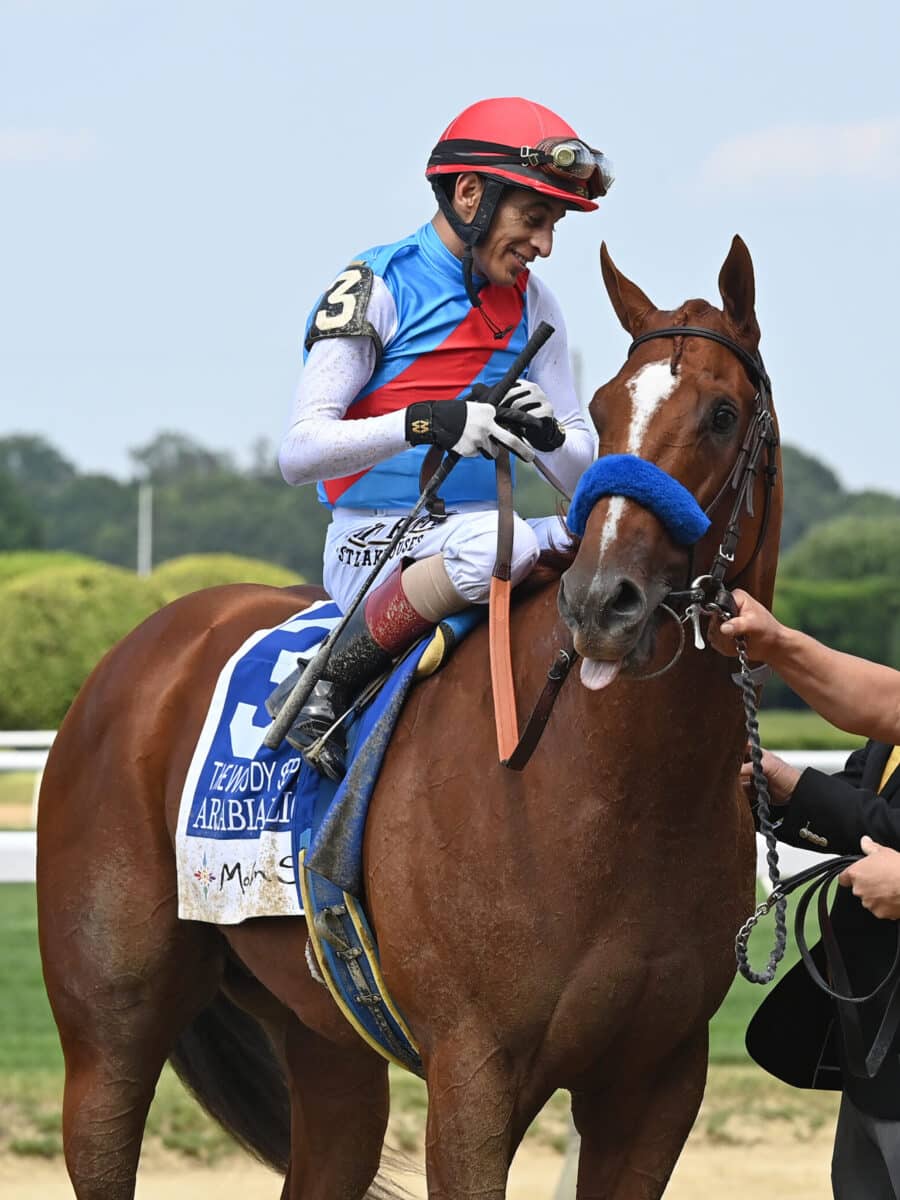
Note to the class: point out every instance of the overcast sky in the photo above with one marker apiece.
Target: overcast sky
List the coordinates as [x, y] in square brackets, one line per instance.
[179, 181]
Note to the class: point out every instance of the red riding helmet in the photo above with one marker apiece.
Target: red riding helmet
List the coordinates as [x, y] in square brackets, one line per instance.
[524, 144]
[513, 142]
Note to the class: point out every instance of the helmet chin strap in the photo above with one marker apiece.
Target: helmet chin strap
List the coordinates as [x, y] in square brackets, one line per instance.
[470, 234]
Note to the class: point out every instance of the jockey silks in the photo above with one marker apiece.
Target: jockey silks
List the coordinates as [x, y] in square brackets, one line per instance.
[438, 348]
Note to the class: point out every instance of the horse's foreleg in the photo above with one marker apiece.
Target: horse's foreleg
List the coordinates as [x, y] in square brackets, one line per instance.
[473, 1123]
[632, 1135]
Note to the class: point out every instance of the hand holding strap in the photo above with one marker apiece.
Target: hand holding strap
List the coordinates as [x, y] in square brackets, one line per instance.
[467, 427]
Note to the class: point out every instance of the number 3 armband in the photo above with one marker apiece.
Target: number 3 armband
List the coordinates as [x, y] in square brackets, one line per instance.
[342, 310]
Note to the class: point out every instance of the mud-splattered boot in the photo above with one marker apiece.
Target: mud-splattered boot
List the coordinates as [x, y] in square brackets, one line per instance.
[379, 631]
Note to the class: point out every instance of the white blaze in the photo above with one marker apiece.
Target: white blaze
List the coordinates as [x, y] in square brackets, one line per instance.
[648, 389]
[652, 384]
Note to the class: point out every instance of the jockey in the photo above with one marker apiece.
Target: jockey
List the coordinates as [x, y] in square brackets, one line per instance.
[395, 351]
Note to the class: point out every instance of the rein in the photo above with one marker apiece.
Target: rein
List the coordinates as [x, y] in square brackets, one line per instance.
[863, 1064]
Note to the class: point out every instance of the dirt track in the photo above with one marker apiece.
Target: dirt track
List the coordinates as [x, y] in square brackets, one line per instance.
[795, 1170]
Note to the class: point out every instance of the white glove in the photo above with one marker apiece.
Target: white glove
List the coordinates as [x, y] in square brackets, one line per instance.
[481, 434]
[530, 397]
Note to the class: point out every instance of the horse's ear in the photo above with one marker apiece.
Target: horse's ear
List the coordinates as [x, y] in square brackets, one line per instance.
[631, 305]
[738, 291]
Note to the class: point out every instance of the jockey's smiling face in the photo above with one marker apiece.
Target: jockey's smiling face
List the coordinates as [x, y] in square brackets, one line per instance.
[521, 231]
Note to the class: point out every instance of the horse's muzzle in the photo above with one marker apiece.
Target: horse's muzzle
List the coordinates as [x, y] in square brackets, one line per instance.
[610, 616]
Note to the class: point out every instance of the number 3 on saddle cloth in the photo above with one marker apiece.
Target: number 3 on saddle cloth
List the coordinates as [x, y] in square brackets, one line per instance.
[261, 834]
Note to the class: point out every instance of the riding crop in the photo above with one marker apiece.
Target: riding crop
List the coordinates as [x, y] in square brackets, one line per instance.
[315, 668]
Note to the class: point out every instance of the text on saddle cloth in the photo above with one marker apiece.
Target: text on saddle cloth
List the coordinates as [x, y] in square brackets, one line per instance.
[242, 804]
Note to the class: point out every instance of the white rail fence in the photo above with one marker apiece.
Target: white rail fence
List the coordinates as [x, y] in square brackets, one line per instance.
[22, 750]
[27, 751]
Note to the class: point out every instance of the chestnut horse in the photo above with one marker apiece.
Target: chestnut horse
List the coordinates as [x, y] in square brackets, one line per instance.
[571, 926]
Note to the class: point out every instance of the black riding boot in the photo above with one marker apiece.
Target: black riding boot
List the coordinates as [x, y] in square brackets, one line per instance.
[379, 631]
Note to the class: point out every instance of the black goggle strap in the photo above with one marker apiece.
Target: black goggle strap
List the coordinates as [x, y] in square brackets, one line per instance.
[464, 152]
[470, 155]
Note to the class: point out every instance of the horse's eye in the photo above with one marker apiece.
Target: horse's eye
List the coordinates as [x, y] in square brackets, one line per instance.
[724, 419]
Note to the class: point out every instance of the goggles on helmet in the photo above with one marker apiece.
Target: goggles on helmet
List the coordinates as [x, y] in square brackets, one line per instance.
[570, 158]
[588, 172]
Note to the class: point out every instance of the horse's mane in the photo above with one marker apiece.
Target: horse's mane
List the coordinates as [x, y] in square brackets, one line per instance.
[548, 569]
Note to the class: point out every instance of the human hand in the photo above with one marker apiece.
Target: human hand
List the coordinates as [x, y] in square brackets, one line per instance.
[761, 631]
[526, 411]
[875, 879]
[466, 426]
[780, 776]
[530, 398]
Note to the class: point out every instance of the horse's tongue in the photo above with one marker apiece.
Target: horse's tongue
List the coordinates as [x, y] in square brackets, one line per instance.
[596, 675]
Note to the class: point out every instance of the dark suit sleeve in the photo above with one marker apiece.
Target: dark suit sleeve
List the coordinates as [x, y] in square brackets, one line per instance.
[836, 808]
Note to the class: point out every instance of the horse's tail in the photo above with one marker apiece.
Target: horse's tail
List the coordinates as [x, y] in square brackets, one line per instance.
[226, 1061]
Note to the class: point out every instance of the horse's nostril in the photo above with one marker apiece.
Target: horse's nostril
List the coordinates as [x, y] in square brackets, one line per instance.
[627, 600]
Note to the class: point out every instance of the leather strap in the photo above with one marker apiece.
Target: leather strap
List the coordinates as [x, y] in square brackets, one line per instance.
[430, 464]
[540, 714]
[502, 683]
[505, 516]
[862, 1064]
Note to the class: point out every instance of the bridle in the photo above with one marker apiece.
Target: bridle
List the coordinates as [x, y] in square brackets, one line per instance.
[711, 593]
[712, 589]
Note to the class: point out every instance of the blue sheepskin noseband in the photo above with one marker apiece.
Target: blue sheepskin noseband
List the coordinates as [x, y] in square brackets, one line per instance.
[627, 475]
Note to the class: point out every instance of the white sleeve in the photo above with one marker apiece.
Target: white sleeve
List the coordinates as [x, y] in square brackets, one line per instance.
[552, 371]
[318, 443]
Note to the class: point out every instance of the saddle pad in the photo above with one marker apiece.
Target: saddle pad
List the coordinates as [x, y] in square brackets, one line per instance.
[244, 807]
[240, 800]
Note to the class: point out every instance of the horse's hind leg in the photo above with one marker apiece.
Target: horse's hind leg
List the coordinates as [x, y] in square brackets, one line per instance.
[124, 977]
[339, 1111]
[338, 1086]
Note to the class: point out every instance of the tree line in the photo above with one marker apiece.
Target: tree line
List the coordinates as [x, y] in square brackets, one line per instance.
[840, 550]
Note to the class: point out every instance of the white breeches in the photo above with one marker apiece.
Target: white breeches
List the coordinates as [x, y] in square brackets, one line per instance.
[467, 539]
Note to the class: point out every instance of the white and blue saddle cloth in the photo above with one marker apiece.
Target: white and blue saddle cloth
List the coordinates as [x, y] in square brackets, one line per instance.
[246, 810]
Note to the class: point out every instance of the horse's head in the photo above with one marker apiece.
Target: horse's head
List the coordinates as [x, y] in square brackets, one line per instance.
[685, 410]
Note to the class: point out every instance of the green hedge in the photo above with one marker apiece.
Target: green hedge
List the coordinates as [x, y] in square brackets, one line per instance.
[25, 562]
[860, 616]
[59, 614]
[57, 622]
[192, 572]
[851, 547]
[55, 625]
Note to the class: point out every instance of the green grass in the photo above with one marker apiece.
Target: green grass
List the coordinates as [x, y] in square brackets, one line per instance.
[31, 1066]
[16, 789]
[28, 1040]
[802, 729]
